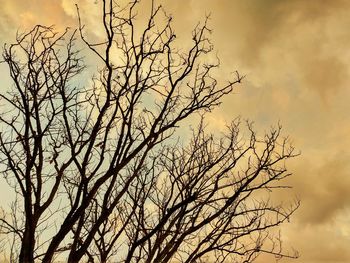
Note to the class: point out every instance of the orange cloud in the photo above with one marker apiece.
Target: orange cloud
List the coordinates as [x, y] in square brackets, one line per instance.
[296, 57]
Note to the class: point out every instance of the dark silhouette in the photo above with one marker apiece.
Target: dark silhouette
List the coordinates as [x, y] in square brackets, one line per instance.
[99, 171]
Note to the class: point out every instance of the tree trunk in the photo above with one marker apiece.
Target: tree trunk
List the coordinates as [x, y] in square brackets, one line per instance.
[27, 248]
[74, 257]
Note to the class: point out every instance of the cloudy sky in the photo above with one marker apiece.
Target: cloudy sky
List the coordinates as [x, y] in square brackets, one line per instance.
[295, 55]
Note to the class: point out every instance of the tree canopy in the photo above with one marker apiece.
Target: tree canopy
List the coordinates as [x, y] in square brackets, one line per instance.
[99, 170]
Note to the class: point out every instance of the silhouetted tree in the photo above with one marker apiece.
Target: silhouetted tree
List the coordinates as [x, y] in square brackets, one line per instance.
[99, 171]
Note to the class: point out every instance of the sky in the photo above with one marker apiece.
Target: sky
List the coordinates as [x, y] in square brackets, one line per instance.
[296, 59]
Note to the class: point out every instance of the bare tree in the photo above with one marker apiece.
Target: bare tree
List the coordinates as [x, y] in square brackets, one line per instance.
[100, 172]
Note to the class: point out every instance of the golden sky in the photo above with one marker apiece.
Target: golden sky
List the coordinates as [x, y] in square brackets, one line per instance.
[296, 58]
